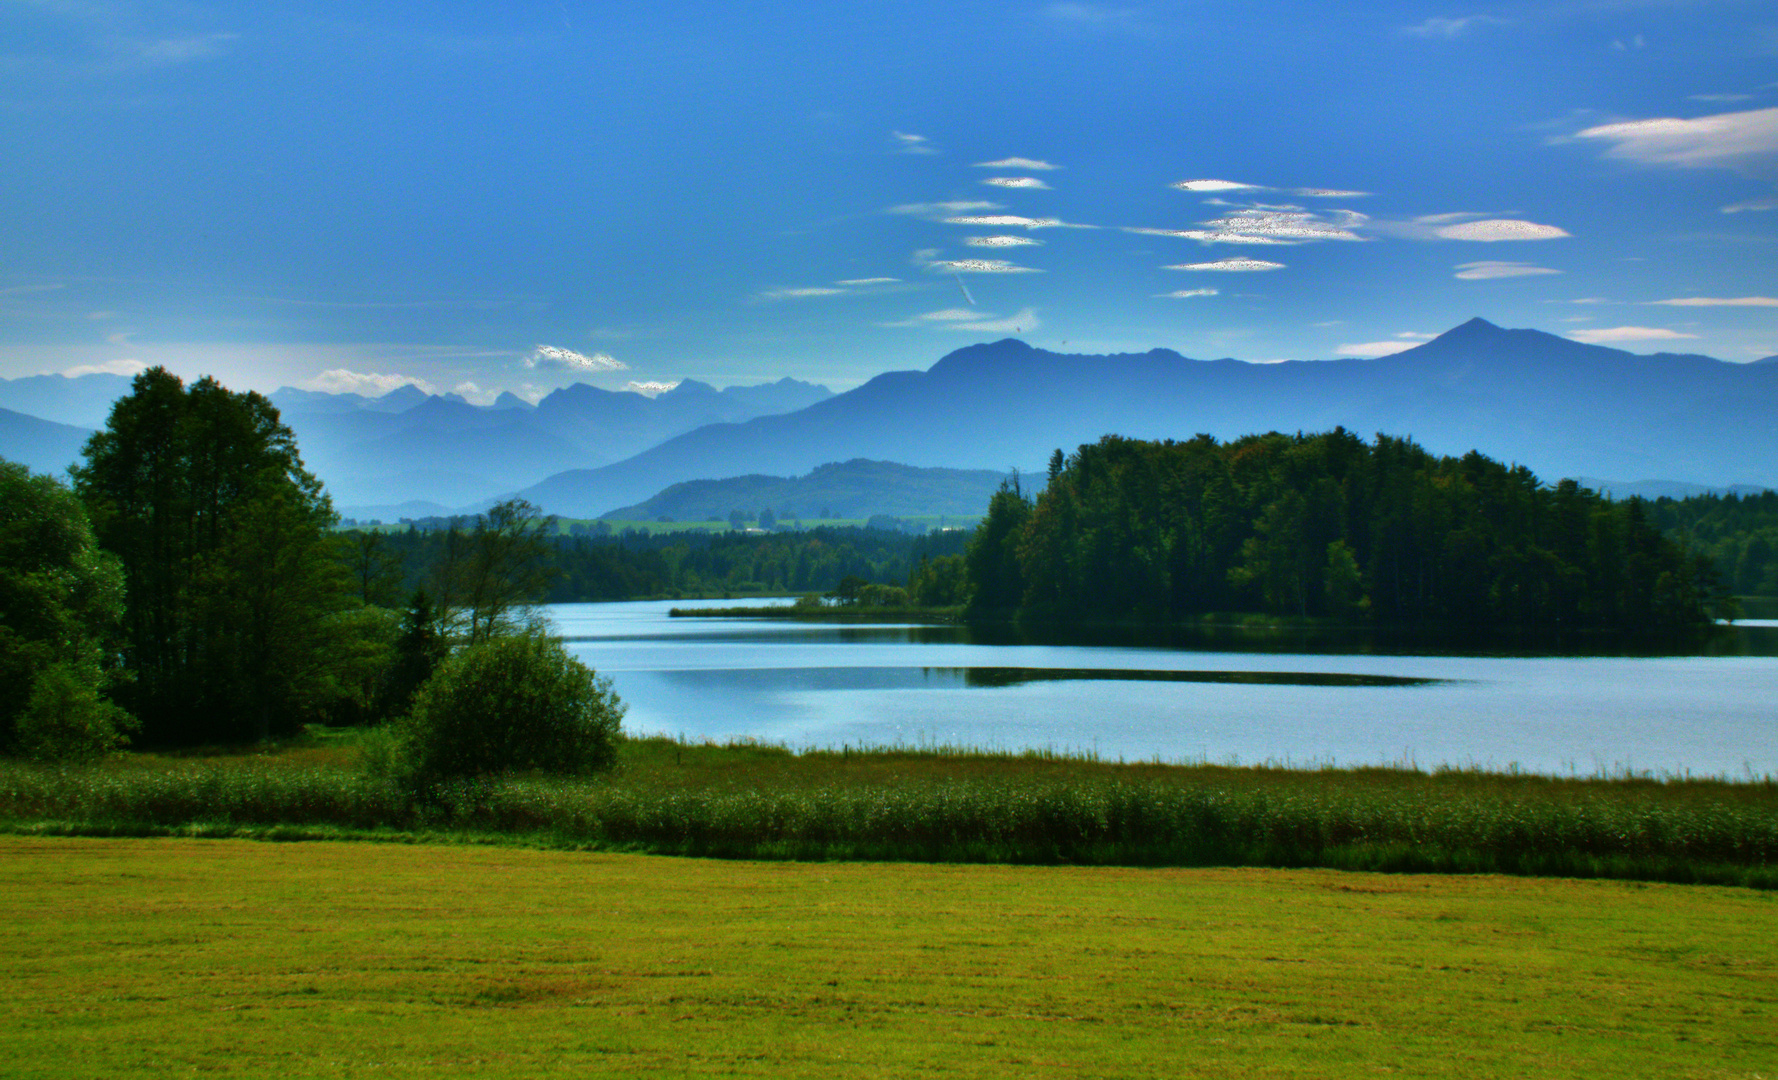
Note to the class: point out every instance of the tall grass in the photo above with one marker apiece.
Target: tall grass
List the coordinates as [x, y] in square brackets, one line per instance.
[944, 804]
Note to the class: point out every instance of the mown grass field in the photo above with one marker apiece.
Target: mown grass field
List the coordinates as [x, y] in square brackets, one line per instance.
[169, 956]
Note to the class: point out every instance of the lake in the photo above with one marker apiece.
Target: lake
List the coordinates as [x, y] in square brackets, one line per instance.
[824, 685]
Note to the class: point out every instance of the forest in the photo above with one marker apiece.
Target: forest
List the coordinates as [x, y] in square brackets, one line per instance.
[1327, 525]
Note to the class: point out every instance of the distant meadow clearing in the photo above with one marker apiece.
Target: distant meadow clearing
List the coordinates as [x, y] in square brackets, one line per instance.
[127, 957]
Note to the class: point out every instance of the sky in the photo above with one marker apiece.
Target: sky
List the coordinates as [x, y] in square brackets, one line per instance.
[487, 197]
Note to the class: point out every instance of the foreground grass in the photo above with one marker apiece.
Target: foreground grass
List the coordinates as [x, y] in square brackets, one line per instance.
[939, 805]
[154, 957]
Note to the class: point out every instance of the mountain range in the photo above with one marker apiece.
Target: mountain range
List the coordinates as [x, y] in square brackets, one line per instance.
[850, 489]
[1557, 406]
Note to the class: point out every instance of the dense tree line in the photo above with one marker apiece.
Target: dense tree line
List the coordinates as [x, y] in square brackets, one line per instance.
[1325, 525]
[636, 565]
[1738, 532]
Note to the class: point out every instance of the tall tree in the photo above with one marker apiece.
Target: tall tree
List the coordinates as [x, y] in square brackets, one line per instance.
[61, 599]
[231, 583]
[489, 577]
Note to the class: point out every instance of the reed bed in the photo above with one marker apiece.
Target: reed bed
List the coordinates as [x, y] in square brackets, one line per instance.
[949, 805]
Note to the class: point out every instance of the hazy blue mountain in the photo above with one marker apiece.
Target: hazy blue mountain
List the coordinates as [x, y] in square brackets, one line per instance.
[1663, 489]
[1558, 406]
[84, 401]
[42, 445]
[375, 453]
[852, 489]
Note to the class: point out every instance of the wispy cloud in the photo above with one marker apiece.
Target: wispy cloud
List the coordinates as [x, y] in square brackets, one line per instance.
[109, 367]
[1017, 182]
[1269, 225]
[1184, 294]
[801, 293]
[1723, 99]
[1370, 350]
[1488, 270]
[1215, 185]
[1741, 140]
[906, 143]
[1017, 163]
[1751, 204]
[1022, 323]
[1469, 226]
[1091, 16]
[182, 50]
[551, 358]
[981, 266]
[967, 319]
[847, 287]
[1229, 265]
[1014, 221]
[1712, 301]
[1613, 334]
[364, 383]
[1001, 241]
[651, 388]
[938, 211]
[1450, 28]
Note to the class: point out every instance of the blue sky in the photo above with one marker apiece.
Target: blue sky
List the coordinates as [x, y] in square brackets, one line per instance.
[516, 196]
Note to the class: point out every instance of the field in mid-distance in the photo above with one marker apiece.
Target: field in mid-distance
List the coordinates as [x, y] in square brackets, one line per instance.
[173, 956]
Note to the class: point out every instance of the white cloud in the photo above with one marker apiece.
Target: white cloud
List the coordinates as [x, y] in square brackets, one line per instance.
[1205, 235]
[982, 266]
[109, 367]
[802, 293]
[1711, 301]
[1450, 28]
[474, 393]
[650, 388]
[855, 282]
[936, 211]
[1183, 294]
[1494, 229]
[121, 337]
[1488, 270]
[1229, 265]
[1012, 221]
[1215, 185]
[1270, 225]
[1725, 140]
[1328, 193]
[365, 383]
[1025, 321]
[1373, 349]
[1751, 204]
[912, 144]
[1017, 182]
[1607, 334]
[1719, 98]
[1001, 241]
[1017, 163]
[551, 358]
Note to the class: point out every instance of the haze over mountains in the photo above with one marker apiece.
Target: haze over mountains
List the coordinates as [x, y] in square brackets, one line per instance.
[1560, 407]
[1557, 406]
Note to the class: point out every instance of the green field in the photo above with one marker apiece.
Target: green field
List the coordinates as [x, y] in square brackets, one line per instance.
[941, 804]
[161, 957]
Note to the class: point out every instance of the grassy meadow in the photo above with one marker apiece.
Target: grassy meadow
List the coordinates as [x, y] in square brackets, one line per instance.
[937, 804]
[127, 957]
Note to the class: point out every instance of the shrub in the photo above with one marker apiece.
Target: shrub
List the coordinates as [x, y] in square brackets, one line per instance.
[517, 703]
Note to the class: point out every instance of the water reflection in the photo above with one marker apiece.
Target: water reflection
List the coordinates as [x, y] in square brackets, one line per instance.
[782, 679]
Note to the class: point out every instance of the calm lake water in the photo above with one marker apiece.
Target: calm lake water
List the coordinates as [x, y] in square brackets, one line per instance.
[817, 685]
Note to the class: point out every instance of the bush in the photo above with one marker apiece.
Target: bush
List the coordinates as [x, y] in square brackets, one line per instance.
[518, 703]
